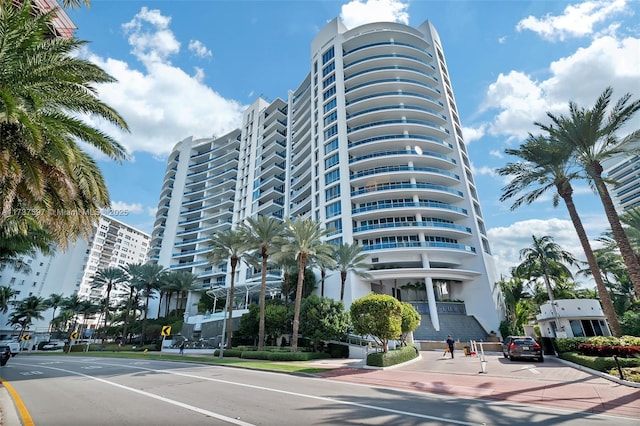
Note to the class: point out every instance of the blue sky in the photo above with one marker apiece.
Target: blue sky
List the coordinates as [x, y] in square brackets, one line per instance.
[189, 67]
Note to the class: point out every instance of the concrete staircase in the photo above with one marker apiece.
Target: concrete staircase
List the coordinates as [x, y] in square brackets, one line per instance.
[461, 327]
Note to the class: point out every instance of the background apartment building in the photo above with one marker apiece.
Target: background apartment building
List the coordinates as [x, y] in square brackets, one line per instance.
[370, 145]
[626, 187]
[69, 272]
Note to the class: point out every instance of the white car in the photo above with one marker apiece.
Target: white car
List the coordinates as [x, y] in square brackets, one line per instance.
[52, 346]
[14, 346]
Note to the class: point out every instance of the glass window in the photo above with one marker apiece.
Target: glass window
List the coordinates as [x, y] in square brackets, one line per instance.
[576, 328]
[330, 105]
[328, 55]
[331, 161]
[333, 209]
[331, 131]
[335, 226]
[331, 193]
[331, 118]
[331, 146]
[328, 81]
[326, 70]
[331, 176]
[329, 93]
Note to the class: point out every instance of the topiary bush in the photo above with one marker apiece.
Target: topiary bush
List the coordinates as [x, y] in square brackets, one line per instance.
[235, 353]
[393, 357]
[570, 344]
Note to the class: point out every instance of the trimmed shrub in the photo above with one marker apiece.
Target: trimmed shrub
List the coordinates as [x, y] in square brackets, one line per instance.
[602, 350]
[397, 356]
[235, 353]
[570, 344]
[255, 354]
[603, 364]
[289, 356]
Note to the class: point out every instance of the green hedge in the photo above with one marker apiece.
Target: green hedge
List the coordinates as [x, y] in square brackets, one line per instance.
[571, 344]
[398, 356]
[235, 353]
[283, 356]
[599, 363]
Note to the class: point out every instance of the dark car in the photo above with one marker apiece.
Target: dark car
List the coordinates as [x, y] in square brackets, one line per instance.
[515, 347]
[5, 354]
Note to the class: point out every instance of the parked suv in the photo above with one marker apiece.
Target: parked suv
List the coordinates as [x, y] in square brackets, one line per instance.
[522, 347]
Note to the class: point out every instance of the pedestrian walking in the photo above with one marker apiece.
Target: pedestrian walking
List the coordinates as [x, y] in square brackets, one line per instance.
[450, 344]
[181, 348]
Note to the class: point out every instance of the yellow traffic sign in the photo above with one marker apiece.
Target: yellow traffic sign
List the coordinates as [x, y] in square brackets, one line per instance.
[74, 335]
[166, 330]
[26, 337]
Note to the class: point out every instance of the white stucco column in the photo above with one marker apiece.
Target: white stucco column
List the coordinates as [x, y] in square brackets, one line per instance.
[431, 299]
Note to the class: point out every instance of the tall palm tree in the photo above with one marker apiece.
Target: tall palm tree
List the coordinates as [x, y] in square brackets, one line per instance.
[184, 282]
[45, 90]
[148, 279]
[22, 236]
[349, 258]
[547, 166]
[74, 304]
[266, 234]
[592, 135]
[228, 245]
[545, 259]
[54, 301]
[6, 294]
[631, 226]
[132, 272]
[25, 311]
[108, 279]
[303, 240]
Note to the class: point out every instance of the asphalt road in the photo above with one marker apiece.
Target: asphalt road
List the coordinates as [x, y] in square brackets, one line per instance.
[100, 391]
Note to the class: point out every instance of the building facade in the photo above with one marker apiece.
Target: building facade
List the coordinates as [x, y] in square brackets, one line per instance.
[626, 187]
[69, 272]
[370, 145]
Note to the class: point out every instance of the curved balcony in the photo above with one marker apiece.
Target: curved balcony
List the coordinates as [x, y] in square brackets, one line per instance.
[391, 84]
[384, 228]
[388, 126]
[438, 176]
[420, 245]
[392, 141]
[382, 99]
[383, 207]
[408, 111]
[373, 192]
[386, 60]
[383, 156]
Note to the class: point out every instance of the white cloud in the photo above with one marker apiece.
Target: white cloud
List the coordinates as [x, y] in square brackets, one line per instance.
[151, 211]
[121, 206]
[576, 21]
[519, 99]
[161, 103]
[506, 242]
[359, 12]
[473, 133]
[496, 153]
[199, 49]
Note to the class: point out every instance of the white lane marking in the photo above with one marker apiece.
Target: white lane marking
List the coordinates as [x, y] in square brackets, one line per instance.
[158, 397]
[531, 368]
[301, 395]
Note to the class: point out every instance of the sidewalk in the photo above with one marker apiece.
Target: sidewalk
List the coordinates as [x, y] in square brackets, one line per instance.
[550, 384]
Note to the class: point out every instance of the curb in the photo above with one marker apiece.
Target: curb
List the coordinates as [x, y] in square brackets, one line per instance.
[9, 415]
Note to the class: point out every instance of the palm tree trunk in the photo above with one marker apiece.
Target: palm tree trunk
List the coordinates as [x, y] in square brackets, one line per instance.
[126, 316]
[160, 303]
[343, 280]
[603, 293]
[263, 296]
[234, 263]
[628, 255]
[144, 321]
[296, 312]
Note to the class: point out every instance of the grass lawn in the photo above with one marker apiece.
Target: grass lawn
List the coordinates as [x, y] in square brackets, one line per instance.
[288, 366]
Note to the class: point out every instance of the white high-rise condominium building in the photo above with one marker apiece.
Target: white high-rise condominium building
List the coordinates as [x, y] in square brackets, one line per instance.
[626, 187]
[69, 272]
[370, 145]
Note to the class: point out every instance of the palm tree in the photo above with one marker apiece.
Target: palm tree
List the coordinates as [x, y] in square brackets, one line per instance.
[544, 259]
[132, 271]
[303, 240]
[74, 304]
[108, 279]
[54, 301]
[183, 282]
[6, 294]
[46, 89]
[631, 221]
[22, 236]
[26, 311]
[547, 166]
[264, 233]
[228, 245]
[148, 279]
[592, 135]
[349, 258]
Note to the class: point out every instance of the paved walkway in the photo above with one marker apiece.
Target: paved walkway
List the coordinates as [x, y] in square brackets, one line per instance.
[551, 384]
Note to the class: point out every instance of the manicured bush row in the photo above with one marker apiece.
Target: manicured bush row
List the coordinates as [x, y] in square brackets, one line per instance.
[571, 344]
[604, 364]
[282, 356]
[398, 356]
[601, 350]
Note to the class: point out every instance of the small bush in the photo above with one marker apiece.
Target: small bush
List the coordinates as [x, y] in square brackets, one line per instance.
[602, 350]
[570, 344]
[255, 354]
[235, 353]
[398, 356]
